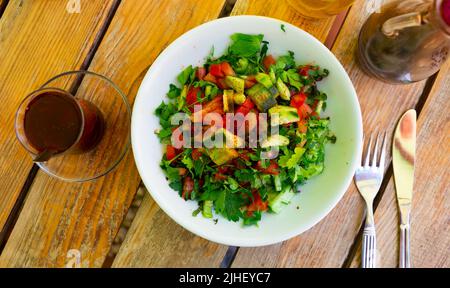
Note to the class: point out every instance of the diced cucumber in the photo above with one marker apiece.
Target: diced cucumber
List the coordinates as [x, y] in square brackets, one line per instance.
[283, 89]
[319, 107]
[236, 83]
[221, 156]
[207, 209]
[264, 79]
[275, 140]
[279, 201]
[277, 182]
[262, 97]
[228, 102]
[286, 114]
[239, 98]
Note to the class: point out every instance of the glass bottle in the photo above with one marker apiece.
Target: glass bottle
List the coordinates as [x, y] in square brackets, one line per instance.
[407, 41]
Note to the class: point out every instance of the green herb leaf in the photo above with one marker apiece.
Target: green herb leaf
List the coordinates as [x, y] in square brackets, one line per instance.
[187, 75]
[245, 45]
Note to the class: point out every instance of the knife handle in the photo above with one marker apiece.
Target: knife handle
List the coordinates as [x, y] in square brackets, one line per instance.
[405, 257]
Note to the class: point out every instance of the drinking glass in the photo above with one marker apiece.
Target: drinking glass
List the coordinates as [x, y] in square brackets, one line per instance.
[76, 126]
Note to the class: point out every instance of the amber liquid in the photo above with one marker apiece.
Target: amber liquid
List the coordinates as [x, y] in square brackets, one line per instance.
[55, 121]
[320, 8]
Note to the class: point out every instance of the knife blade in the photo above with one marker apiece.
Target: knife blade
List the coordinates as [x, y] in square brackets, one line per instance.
[403, 158]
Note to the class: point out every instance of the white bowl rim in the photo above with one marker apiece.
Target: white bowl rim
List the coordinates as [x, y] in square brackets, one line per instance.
[253, 242]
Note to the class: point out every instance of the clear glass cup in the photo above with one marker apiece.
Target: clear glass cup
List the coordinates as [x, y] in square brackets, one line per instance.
[76, 127]
[406, 41]
[320, 8]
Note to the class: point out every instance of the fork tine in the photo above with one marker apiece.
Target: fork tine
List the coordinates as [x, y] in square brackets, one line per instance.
[375, 152]
[383, 152]
[366, 162]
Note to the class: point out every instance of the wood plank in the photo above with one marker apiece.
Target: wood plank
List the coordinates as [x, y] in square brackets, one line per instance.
[38, 39]
[430, 219]
[143, 247]
[155, 240]
[328, 243]
[283, 11]
[58, 216]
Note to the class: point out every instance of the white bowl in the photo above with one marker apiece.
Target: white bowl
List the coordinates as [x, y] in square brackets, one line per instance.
[318, 196]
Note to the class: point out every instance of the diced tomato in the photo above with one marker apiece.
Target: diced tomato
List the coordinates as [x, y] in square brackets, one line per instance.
[196, 153]
[249, 84]
[248, 103]
[302, 126]
[220, 177]
[268, 61]
[200, 73]
[245, 108]
[188, 187]
[222, 84]
[223, 169]
[244, 156]
[272, 169]
[182, 171]
[257, 204]
[304, 71]
[216, 70]
[210, 78]
[298, 100]
[227, 70]
[304, 111]
[191, 97]
[171, 152]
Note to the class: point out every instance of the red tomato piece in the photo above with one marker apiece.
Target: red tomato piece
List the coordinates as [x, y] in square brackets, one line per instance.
[196, 153]
[171, 152]
[188, 187]
[304, 71]
[268, 61]
[227, 70]
[210, 78]
[298, 100]
[221, 83]
[257, 204]
[191, 97]
[272, 169]
[200, 73]
[216, 70]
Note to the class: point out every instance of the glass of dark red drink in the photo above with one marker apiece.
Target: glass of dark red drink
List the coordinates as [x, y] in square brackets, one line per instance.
[76, 126]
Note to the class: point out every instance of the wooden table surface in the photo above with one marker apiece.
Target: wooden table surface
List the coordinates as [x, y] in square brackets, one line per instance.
[113, 221]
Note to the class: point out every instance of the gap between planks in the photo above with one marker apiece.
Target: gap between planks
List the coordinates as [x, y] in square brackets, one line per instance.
[137, 201]
[3, 4]
[232, 251]
[388, 175]
[18, 205]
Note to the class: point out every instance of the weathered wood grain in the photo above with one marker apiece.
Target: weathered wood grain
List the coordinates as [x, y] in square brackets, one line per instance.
[283, 11]
[38, 39]
[328, 243]
[155, 240]
[430, 218]
[58, 216]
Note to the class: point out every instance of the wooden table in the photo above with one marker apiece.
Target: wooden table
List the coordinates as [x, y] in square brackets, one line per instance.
[114, 222]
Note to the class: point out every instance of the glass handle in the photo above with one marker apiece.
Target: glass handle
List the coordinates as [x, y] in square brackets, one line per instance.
[392, 26]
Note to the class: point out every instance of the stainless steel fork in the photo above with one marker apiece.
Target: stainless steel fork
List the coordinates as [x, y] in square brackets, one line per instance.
[368, 178]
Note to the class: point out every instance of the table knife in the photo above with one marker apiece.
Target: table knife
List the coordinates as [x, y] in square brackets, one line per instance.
[403, 158]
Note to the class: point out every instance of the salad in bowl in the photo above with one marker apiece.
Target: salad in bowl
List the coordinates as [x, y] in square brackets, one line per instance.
[242, 128]
[262, 117]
